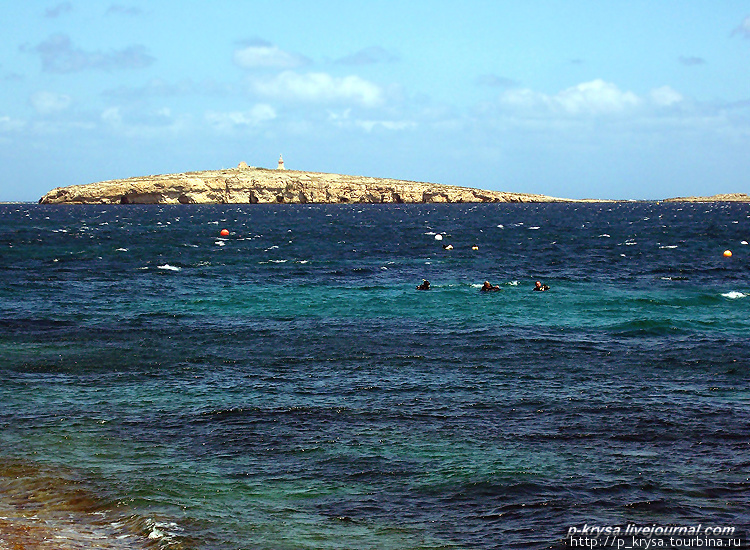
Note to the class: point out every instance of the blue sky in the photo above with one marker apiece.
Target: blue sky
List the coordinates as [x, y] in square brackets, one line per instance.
[603, 99]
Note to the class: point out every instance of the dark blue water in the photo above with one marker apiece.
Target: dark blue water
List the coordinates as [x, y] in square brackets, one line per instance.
[287, 387]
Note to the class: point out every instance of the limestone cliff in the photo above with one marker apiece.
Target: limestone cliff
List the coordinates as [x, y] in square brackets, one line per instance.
[259, 185]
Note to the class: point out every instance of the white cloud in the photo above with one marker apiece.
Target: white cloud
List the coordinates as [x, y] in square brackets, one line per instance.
[46, 103]
[258, 114]
[320, 88]
[267, 56]
[665, 96]
[596, 97]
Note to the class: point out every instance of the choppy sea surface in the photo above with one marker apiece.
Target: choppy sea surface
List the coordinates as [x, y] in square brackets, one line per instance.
[287, 387]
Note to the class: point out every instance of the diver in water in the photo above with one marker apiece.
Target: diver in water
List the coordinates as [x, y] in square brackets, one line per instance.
[538, 286]
[425, 285]
[487, 287]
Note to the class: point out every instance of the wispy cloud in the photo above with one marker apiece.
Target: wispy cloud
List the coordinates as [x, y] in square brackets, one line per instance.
[11, 77]
[319, 88]
[392, 125]
[495, 81]
[369, 56]
[58, 10]
[344, 119]
[691, 61]
[259, 114]
[8, 124]
[46, 103]
[665, 96]
[59, 55]
[119, 9]
[744, 28]
[162, 88]
[152, 123]
[260, 54]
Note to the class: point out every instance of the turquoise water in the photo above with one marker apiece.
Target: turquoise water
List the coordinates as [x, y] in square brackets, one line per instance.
[287, 386]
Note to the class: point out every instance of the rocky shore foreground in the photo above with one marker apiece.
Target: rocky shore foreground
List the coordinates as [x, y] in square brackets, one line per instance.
[250, 185]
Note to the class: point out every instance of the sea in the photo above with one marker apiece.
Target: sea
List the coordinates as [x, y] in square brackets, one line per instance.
[285, 386]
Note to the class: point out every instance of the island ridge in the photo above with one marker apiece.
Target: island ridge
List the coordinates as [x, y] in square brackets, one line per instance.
[250, 185]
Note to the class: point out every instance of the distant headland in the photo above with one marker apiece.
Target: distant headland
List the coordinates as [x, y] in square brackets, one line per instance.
[723, 197]
[250, 185]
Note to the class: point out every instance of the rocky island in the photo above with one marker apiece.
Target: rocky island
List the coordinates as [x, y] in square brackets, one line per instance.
[723, 197]
[250, 185]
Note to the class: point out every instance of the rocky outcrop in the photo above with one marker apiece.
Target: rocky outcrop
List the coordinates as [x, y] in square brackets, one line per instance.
[246, 184]
[724, 197]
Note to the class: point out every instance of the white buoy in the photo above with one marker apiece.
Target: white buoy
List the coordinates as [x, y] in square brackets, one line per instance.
[438, 237]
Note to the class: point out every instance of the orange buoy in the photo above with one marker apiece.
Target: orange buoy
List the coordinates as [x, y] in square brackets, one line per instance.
[727, 253]
[224, 232]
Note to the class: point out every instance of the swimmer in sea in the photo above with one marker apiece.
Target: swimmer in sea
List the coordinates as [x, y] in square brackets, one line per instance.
[487, 287]
[425, 285]
[538, 286]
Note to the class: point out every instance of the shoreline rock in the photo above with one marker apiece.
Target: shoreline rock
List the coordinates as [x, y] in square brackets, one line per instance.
[251, 185]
